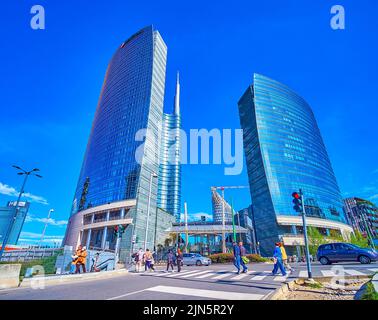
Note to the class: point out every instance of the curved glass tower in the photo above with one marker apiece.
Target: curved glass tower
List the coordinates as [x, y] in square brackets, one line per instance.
[284, 153]
[118, 182]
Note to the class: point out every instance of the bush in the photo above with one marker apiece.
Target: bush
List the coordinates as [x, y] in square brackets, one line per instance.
[229, 257]
[370, 293]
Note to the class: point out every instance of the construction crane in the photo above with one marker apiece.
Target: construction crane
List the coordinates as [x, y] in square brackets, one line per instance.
[222, 188]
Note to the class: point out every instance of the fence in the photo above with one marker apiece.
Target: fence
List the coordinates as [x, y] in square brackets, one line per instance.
[29, 254]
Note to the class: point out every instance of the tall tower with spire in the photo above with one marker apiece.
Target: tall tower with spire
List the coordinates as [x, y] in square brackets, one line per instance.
[169, 194]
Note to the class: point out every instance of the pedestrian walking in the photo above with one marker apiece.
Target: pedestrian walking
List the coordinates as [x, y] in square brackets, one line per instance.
[237, 256]
[170, 259]
[243, 257]
[148, 260]
[284, 258]
[139, 260]
[179, 259]
[277, 257]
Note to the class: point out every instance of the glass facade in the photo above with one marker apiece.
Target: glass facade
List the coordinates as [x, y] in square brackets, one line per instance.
[169, 191]
[6, 216]
[284, 153]
[123, 151]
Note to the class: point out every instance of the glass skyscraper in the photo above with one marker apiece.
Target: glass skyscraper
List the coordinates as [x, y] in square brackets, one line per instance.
[169, 194]
[117, 183]
[285, 152]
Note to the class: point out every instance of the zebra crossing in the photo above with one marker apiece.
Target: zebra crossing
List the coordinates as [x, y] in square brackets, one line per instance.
[227, 275]
[224, 275]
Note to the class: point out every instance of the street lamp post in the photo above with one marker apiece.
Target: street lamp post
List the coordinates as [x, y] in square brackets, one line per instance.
[153, 175]
[11, 224]
[223, 224]
[45, 227]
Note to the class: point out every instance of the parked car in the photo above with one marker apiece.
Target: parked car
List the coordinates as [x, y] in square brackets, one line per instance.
[191, 259]
[345, 252]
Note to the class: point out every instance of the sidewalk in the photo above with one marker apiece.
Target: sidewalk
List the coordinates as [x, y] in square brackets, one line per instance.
[67, 278]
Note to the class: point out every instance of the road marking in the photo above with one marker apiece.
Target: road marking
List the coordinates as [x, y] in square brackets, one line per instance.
[209, 275]
[280, 278]
[354, 272]
[195, 274]
[175, 274]
[221, 276]
[222, 295]
[260, 277]
[328, 273]
[126, 294]
[374, 269]
[303, 274]
[241, 276]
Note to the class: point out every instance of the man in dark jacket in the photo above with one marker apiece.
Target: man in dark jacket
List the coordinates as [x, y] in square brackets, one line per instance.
[237, 256]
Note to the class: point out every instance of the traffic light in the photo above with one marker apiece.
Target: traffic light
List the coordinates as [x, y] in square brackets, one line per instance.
[116, 231]
[298, 206]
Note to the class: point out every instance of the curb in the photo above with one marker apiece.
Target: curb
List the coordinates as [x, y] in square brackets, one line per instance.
[287, 286]
[69, 278]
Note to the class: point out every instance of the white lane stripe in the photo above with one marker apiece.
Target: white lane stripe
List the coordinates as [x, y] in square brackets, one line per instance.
[328, 273]
[241, 276]
[177, 274]
[221, 276]
[260, 276]
[170, 274]
[196, 274]
[280, 278]
[354, 272]
[207, 275]
[303, 274]
[222, 295]
[125, 295]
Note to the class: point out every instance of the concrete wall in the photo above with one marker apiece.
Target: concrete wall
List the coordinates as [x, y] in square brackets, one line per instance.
[9, 275]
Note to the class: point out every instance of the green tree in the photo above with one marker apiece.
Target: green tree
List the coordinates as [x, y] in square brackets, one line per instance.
[315, 239]
[357, 239]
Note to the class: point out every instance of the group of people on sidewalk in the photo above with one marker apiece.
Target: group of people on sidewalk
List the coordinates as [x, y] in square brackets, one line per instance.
[147, 258]
[280, 258]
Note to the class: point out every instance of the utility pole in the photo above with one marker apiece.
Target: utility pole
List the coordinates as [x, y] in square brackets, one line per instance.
[186, 226]
[223, 224]
[153, 175]
[11, 223]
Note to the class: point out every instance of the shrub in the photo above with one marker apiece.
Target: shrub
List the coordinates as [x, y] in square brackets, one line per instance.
[229, 257]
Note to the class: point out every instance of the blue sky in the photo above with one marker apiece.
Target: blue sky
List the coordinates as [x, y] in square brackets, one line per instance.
[51, 80]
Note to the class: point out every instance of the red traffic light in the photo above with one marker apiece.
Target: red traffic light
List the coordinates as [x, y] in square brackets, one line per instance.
[296, 195]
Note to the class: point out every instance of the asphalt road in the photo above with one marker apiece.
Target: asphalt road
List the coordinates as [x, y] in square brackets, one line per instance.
[202, 283]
